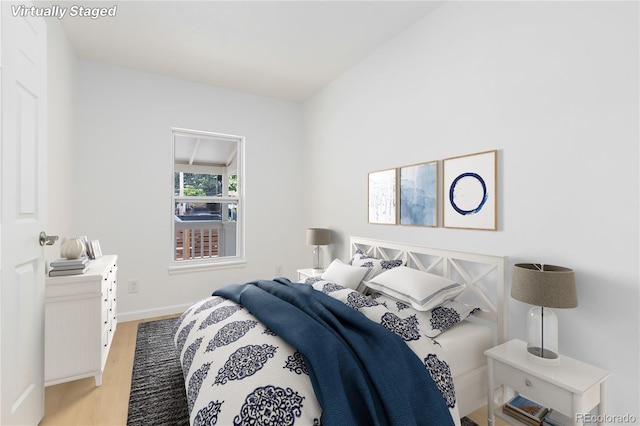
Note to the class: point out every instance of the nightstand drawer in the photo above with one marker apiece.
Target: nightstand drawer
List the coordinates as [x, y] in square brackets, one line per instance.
[534, 388]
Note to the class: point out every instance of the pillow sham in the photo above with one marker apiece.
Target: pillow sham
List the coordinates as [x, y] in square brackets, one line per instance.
[422, 290]
[310, 280]
[346, 275]
[375, 265]
[398, 316]
[433, 322]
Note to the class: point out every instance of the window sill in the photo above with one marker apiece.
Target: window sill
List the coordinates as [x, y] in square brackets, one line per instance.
[205, 266]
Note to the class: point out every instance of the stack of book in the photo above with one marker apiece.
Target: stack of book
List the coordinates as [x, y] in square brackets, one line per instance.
[69, 267]
[525, 410]
[555, 418]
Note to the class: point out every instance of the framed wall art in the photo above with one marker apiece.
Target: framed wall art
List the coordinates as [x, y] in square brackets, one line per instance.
[470, 191]
[87, 247]
[419, 194]
[95, 248]
[382, 197]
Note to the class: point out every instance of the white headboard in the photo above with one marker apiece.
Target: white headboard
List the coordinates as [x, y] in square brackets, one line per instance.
[484, 275]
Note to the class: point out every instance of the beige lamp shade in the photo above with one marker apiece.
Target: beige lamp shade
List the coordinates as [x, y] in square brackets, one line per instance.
[544, 285]
[318, 237]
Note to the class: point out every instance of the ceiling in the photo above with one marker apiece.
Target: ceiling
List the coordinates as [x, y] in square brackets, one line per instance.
[281, 49]
[205, 150]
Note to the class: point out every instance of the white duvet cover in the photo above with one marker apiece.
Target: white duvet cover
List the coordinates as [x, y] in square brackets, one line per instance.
[239, 372]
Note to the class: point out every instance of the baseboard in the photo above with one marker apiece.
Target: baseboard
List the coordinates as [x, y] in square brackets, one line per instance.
[152, 313]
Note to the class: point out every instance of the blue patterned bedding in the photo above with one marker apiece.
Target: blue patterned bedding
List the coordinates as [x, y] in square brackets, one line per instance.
[238, 371]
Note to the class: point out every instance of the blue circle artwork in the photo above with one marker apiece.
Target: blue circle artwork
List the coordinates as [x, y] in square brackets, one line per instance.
[484, 193]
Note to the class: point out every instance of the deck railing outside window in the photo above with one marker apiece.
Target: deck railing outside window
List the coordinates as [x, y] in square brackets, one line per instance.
[204, 239]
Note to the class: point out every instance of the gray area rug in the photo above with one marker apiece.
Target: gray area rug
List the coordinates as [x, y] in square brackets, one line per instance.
[465, 421]
[158, 395]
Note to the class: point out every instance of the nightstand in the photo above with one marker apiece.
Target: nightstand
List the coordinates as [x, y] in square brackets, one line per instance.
[573, 387]
[303, 274]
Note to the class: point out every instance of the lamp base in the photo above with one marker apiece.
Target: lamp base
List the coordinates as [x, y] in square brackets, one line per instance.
[317, 258]
[542, 336]
[542, 356]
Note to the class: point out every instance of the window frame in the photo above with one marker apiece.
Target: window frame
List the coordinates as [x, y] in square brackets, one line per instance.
[191, 265]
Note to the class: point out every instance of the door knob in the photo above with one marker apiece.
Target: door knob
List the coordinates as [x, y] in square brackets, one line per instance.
[45, 239]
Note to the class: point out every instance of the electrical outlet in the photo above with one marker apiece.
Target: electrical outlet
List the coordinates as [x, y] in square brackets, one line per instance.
[279, 270]
[133, 286]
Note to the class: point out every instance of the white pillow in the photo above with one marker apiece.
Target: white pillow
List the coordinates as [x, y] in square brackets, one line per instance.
[422, 290]
[345, 275]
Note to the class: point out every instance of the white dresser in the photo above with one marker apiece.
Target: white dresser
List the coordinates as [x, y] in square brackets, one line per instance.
[80, 321]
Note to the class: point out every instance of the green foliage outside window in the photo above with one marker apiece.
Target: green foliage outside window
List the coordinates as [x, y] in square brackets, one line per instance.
[196, 184]
[233, 183]
[190, 191]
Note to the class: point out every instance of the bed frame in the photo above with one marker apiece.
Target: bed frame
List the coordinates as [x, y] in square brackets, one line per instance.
[484, 276]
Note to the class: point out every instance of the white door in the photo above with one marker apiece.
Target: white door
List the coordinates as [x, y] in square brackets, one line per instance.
[22, 205]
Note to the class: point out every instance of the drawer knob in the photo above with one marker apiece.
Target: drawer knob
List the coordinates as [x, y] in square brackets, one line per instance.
[527, 383]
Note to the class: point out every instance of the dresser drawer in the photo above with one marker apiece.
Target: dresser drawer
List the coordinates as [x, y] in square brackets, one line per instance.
[80, 313]
[112, 297]
[543, 392]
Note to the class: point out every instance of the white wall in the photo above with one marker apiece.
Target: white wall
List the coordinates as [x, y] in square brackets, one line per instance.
[61, 136]
[554, 87]
[124, 163]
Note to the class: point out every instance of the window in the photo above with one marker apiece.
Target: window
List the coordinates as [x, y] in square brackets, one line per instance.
[206, 203]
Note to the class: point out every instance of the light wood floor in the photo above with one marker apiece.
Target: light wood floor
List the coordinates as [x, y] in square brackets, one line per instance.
[82, 403]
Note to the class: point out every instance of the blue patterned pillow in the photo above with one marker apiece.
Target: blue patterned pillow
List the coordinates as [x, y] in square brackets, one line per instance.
[432, 322]
[311, 280]
[376, 265]
[398, 316]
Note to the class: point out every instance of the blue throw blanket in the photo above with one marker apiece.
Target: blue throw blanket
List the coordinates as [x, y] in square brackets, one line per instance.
[362, 373]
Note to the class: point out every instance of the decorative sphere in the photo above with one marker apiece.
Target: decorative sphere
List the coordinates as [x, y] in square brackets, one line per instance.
[72, 249]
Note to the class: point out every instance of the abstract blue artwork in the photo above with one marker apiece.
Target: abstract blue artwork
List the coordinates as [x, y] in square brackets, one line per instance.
[470, 191]
[478, 201]
[419, 194]
[382, 197]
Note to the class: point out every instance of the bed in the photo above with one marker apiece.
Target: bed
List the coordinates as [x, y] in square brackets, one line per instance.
[241, 365]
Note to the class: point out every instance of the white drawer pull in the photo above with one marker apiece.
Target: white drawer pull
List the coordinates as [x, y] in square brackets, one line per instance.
[527, 383]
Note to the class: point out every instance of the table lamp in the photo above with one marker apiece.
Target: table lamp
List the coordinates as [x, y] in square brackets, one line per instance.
[544, 286]
[318, 237]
